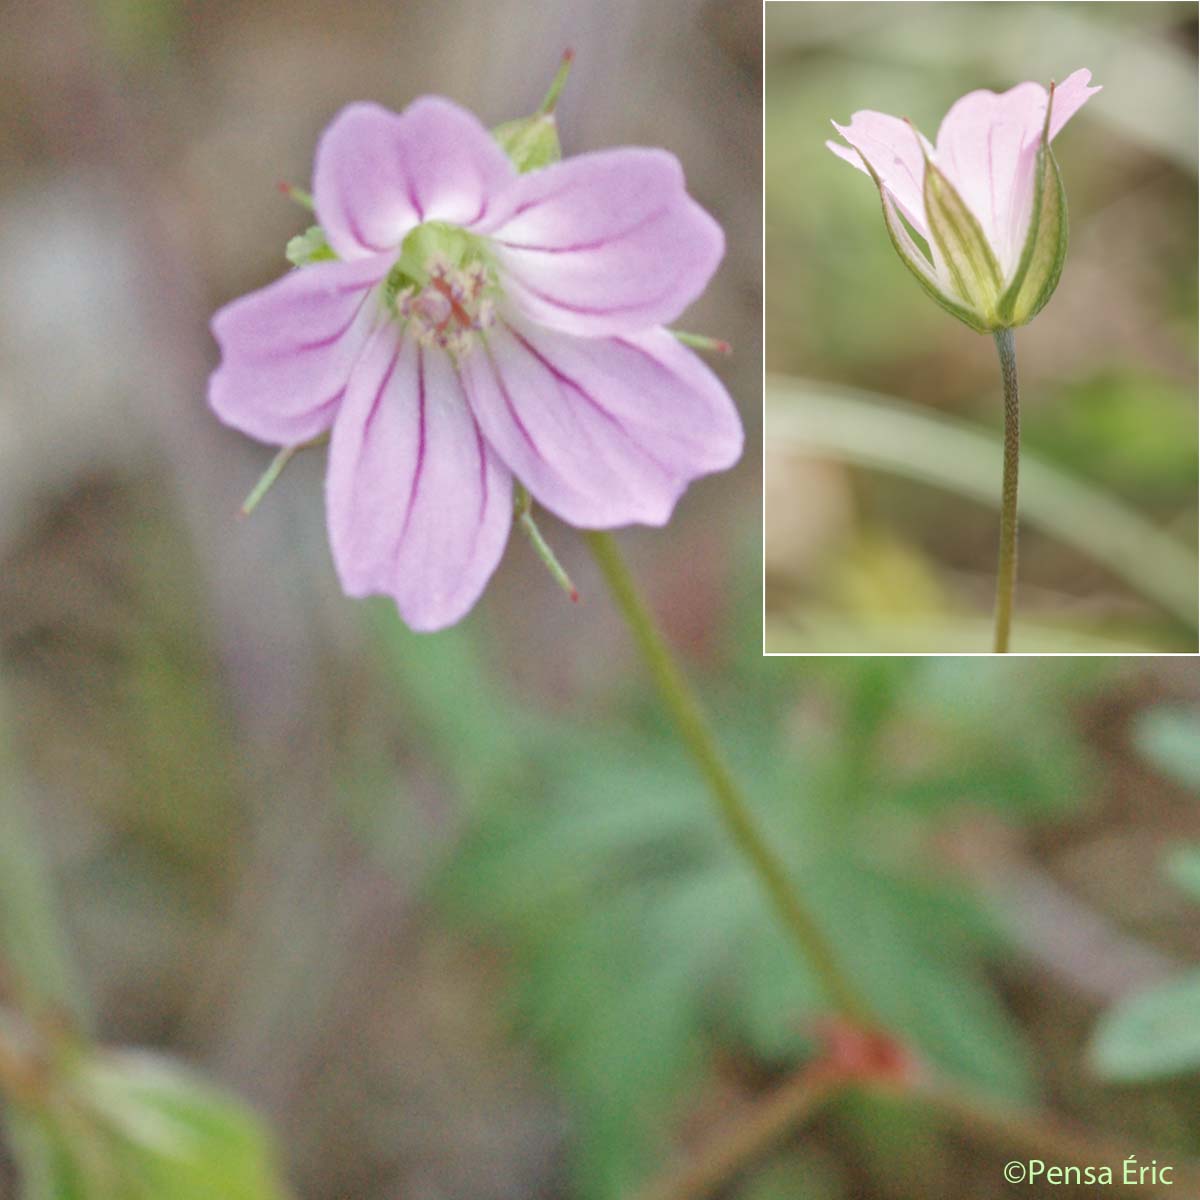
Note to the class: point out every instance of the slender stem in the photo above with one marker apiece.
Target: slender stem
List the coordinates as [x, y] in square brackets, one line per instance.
[524, 512]
[735, 812]
[732, 1151]
[1035, 1133]
[1006, 575]
[274, 470]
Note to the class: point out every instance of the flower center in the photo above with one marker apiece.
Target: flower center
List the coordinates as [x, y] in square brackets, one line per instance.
[442, 287]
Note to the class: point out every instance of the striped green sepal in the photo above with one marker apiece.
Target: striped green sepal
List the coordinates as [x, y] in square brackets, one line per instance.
[914, 259]
[1045, 248]
[969, 258]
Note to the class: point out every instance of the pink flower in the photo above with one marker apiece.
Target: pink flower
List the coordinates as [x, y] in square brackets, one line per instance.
[978, 197]
[480, 325]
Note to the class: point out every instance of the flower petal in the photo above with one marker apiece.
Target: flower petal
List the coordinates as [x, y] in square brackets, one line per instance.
[987, 147]
[893, 149]
[602, 431]
[1069, 97]
[604, 243]
[287, 350]
[379, 174]
[419, 507]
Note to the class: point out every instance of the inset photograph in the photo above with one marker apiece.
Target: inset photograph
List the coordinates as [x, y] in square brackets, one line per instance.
[981, 314]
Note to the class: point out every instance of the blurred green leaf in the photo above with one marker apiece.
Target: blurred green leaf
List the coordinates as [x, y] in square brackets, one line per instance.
[1132, 430]
[795, 1176]
[33, 950]
[1152, 1035]
[128, 1126]
[1170, 739]
[1182, 867]
[641, 941]
[472, 725]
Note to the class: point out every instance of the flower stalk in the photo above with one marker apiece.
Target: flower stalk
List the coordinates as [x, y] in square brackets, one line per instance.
[1006, 574]
[267, 479]
[524, 514]
[735, 812]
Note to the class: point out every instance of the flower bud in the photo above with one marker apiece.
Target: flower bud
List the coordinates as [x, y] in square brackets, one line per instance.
[988, 200]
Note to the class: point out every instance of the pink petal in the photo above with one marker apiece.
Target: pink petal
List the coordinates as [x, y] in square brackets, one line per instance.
[379, 174]
[603, 432]
[893, 149]
[418, 505]
[846, 154]
[604, 243]
[987, 146]
[287, 350]
[1069, 97]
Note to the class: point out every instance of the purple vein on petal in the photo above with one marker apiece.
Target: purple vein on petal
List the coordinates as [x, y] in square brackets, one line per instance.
[322, 343]
[481, 450]
[410, 191]
[371, 412]
[512, 408]
[483, 207]
[536, 202]
[592, 245]
[419, 467]
[356, 231]
[588, 311]
[565, 380]
[336, 398]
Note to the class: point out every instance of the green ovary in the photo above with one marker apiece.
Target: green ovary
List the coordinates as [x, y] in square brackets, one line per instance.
[443, 287]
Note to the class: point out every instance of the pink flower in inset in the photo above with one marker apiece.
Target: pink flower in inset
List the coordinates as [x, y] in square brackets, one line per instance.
[479, 325]
[987, 199]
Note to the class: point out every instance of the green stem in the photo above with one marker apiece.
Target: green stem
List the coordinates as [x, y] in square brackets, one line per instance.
[1006, 575]
[524, 512]
[274, 470]
[735, 812]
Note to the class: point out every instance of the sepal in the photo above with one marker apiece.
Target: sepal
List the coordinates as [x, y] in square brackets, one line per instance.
[532, 142]
[1045, 249]
[309, 247]
[970, 260]
[914, 259]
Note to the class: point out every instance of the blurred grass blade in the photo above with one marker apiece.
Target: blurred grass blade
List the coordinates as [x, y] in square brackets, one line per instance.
[882, 433]
[830, 631]
[32, 951]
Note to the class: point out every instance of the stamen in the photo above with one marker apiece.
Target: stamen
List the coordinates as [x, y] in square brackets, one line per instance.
[450, 308]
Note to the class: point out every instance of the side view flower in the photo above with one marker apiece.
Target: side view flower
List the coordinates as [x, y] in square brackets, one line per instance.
[989, 202]
[459, 325]
[988, 198]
